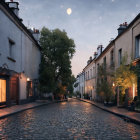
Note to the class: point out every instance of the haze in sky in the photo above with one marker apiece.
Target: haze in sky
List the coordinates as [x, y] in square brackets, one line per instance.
[89, 22]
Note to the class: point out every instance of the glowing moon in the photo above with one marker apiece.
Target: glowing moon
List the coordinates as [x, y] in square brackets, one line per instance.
[69, 11]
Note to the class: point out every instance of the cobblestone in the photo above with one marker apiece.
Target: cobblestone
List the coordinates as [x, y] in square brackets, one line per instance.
[67, 120]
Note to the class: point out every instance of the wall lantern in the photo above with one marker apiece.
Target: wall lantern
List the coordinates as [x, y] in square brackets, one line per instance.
[28, 79]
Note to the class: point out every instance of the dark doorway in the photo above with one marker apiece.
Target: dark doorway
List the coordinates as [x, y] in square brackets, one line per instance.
[14, 84]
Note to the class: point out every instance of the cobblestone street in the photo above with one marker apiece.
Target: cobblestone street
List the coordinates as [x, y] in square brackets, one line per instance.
[67, 120]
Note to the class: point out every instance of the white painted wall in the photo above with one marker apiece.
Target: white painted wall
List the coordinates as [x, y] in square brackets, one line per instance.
[26, 53]
[81, 84]
[9, 30]
[90, 85]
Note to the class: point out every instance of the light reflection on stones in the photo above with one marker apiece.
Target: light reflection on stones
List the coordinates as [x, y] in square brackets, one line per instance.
[69, 120]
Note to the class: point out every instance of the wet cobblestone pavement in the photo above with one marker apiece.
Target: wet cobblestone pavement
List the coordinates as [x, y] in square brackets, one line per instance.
[67, 120]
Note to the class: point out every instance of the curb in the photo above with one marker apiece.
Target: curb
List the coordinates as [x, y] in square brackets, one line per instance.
[125, 117]
[22, 110]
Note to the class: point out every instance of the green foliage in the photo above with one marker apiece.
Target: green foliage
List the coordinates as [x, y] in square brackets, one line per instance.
[104, 85]
[55, 68]
[125, 76]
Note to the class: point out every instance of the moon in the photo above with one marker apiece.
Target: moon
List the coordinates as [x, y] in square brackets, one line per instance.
[69, 11]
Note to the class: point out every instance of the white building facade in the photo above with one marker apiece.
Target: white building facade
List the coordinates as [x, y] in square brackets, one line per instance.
[90, 77]
[20, 57]
[82, 84]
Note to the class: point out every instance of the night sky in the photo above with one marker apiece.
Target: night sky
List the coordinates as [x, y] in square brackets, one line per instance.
[91, 23]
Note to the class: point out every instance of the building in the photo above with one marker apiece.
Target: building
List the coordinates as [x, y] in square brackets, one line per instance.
[19, 57]
[82, 84]
[126, 42]
[76, 85]
[90, 86]
[105, 62]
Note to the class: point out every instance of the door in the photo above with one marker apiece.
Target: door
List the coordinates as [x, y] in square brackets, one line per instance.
[29, 89]
[2, 91]
[14, 90]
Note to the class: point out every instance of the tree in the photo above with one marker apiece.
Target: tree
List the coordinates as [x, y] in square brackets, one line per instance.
[55, 68]
[125, 75]
[104, 84]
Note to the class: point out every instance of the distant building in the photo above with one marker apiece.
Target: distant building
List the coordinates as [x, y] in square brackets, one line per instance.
[82, 84]
[76, 85]
[19, 57]
[90, 86]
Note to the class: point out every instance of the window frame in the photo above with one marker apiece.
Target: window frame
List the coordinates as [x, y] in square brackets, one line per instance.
[11, 44]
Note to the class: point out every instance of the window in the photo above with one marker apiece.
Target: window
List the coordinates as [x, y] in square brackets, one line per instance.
[112, 58]
[93, 71]
[119, 57]
[98, 68]
[104, 62]
[29, 89]
[2, 90]
[11, 48]
[88, 74]
[137, 47]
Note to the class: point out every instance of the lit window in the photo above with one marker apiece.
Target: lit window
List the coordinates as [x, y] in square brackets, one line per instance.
[2, 90]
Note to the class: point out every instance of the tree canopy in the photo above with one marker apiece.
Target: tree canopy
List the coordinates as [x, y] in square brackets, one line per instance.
[55, 68]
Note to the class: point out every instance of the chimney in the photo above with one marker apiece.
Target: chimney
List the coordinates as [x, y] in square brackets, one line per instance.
[122, 27]
[88, 62]
[36, 34]
[90, 58]
[99, 50]
[95, 55]
[14, 6]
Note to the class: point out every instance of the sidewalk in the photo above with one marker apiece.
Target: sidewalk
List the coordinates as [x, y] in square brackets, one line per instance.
[8, 111]
[121, 112]
[5, 112]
